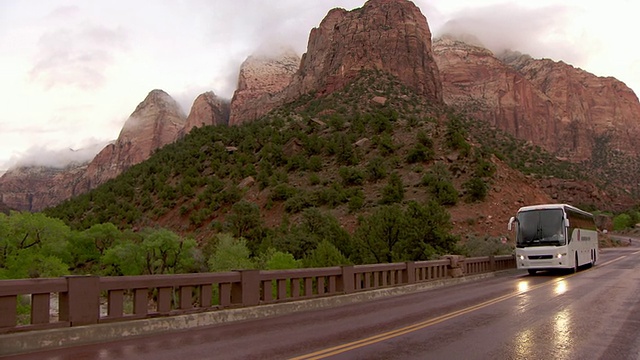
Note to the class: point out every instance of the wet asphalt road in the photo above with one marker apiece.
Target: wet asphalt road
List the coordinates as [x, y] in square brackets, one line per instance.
[594, 314]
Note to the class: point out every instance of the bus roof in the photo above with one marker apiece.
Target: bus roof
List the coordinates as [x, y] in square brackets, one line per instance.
[552, 206]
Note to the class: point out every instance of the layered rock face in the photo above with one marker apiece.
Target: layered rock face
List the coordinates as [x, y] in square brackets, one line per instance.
[207, 109]
[156, 122]
[35, 188]
[388, 35]
[593, 109]
[564, 110]
[260, 79]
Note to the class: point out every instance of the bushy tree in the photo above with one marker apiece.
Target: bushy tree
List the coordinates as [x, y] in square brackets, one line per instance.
[156, 251]
[379, 235]
[622, 221]
[244, 220]
[33, 245]
[325, 255]
[393, 192]
[87, 247]
[230, 254]
[392, 234]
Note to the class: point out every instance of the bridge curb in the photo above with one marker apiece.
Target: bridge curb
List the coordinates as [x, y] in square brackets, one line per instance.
[25, 342]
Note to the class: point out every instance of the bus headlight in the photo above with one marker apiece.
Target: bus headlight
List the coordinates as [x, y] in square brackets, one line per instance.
[560, 256]
[521, 257]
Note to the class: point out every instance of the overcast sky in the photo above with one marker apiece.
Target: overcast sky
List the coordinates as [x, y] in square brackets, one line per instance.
[72, 71]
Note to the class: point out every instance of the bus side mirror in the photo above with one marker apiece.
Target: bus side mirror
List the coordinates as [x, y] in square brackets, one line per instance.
[566, 222]
[510, 225]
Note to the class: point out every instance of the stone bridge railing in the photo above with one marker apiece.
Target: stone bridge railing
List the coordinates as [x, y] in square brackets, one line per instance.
[36, 304]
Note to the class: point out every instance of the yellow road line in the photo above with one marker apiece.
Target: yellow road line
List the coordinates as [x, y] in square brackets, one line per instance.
[411, 328]
[321, 354]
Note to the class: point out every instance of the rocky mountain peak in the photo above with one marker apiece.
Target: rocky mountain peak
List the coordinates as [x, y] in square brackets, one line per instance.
[388, 35]
[207, 109]
[156, 113]
[261, 77]
[156, 122]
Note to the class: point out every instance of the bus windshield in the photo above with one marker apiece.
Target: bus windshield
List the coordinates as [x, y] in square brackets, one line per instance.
[540, 227]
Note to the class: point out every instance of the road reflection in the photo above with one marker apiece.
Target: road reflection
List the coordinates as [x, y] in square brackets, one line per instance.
[524, 345]
[523, 286]
[558, 330]
[562, 334]
[561, 287]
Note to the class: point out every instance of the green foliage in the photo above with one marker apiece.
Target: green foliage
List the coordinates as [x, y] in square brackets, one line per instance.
[385, 144]
[281, 261]
[315, 163]
[282, 192]
[476, 188]
[438, 182]
[87, 247]
[379, 235]
[325, 255]
[376, 169]
[160, 251]
[345, 152]
[297, 203]
[300, 240]
[393, 192]
[244, 220]
[420, 153]
[33, 245]
[230, 254]
[351, 176]
[456, 136]
[356, 201]
[622, 221]
[418, 233]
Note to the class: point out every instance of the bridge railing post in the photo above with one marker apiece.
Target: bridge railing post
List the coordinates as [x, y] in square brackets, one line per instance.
[80, 305]
[247, 292]
[409, 276]
[348, 279]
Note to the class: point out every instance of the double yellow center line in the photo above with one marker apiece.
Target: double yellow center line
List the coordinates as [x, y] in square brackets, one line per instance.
[421, 325]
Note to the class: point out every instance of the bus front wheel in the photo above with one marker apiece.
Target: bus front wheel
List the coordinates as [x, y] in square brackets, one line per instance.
[532, 271]
[575, 264]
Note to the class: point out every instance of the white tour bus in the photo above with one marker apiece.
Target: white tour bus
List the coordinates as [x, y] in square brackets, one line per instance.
[554, 236]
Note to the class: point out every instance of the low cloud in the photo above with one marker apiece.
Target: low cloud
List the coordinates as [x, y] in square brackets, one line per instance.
[57, 158]
[540, 32]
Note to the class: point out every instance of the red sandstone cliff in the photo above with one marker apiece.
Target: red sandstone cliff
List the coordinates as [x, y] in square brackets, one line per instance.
[387, 35]
[156, 122]
[208, 109]
[35, 188]
[260, 79]
[563, 109]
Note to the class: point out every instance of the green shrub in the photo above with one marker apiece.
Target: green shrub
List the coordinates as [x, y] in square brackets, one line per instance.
[393, 192]
[477, 189]
[419, 153]
[282, 192]
[351, 176]
[376, 169]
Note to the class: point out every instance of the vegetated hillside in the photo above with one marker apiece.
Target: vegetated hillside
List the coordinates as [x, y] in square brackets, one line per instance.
[371, 144]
